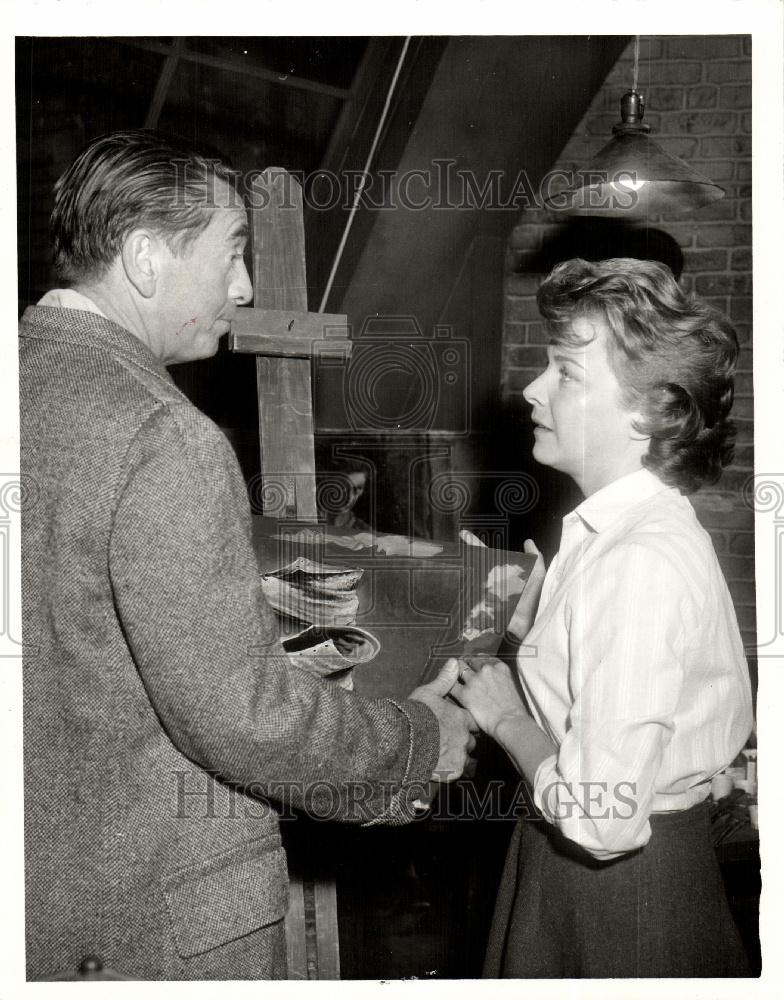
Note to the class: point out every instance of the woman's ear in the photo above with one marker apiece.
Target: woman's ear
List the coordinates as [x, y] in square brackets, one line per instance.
[140, 261]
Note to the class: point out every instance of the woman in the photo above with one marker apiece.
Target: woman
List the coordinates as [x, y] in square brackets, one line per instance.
[632, 686]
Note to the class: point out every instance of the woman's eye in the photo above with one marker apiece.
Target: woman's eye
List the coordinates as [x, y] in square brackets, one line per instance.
[563, 371]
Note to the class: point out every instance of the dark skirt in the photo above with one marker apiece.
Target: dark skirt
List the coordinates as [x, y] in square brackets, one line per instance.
[659, 911]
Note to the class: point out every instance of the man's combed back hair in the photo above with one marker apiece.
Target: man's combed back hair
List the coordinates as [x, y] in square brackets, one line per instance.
[126, 180]
[673, 355]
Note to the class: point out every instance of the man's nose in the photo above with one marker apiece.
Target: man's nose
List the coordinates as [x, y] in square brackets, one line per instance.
[241, 290]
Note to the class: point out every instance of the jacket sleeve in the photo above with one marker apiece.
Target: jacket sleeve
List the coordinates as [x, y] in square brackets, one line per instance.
[188, 594]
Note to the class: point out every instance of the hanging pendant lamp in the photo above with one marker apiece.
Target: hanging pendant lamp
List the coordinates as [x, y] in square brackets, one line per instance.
[632, 177]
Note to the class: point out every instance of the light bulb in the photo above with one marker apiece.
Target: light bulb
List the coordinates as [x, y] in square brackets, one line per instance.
[628, 182]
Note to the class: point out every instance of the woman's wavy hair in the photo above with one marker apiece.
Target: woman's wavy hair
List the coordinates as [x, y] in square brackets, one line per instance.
[673, 355]
[128, 179]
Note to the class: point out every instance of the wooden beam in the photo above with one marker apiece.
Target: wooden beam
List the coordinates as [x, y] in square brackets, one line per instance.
[326, 912]
[283, 383]
[366, 81]
[348, 149]
[287, 333]
[296, 947]
[164, 82]
[283, 327]
[243, 69]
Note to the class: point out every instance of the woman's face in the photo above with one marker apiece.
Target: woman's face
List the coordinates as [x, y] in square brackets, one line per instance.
[581, 426]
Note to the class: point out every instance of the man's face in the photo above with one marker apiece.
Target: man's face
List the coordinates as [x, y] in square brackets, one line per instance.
[580, 425]
[200, 288]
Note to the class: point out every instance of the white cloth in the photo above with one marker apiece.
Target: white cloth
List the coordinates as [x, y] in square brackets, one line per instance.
[634, 667]
[67, 298]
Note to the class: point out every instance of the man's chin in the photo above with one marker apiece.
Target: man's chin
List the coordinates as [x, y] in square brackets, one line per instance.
[205, 348]
[209, 347]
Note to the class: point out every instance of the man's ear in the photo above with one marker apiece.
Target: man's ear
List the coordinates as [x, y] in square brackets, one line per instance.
[141, 261]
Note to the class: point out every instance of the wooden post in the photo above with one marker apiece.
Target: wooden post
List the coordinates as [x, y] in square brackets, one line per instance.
[285, 337]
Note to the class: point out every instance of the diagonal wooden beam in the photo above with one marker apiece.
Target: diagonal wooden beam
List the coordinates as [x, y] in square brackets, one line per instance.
[242, 68]
[164, 82]
[365, 82]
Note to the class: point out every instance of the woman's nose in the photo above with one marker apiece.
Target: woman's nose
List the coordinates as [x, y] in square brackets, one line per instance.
[532, 393]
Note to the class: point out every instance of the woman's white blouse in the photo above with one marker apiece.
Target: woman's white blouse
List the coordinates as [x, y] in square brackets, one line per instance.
[634, 667]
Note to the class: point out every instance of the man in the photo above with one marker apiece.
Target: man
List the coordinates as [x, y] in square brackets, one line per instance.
[157, 697]
[633, 671]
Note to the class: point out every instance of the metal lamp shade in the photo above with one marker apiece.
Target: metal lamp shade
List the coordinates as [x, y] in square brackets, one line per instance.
[633, 178]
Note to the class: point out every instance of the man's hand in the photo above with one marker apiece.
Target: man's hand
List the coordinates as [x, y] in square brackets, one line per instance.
[455, 724]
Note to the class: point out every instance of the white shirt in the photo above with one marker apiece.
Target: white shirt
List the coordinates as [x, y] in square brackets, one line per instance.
[67, 298]
[634, 667]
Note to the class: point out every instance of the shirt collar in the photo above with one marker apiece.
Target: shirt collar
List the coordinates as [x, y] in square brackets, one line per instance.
[604, 507]
[68, 298]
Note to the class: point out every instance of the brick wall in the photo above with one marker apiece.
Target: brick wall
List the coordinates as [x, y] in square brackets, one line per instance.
[698, 103]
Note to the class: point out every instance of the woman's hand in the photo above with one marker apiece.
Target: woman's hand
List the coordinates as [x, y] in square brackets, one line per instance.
[488, 688]
[525, 612]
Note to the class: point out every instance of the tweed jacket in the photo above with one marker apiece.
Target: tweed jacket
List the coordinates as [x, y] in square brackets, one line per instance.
[161, 714]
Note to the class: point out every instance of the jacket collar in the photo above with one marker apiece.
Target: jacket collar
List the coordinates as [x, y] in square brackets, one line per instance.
[88, 329]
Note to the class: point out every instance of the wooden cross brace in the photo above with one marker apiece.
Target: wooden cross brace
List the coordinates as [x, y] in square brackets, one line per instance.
[285, 337]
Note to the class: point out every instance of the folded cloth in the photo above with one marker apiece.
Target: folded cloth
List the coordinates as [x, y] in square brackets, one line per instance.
[331, 651]
[313, 593]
